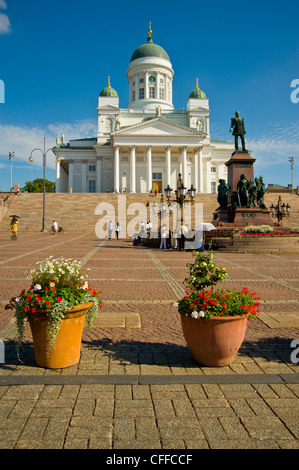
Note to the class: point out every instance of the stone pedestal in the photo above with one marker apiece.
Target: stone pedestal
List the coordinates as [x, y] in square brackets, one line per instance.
[241, 162]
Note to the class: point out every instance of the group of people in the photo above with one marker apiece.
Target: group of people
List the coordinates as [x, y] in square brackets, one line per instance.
[111, 227]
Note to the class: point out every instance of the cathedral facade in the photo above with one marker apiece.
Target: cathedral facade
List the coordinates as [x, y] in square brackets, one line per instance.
[145, 146]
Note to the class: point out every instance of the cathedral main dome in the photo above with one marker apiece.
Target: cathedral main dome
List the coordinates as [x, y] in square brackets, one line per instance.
[149, 49]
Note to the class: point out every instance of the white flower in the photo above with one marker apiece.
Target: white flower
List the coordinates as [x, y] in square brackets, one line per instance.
[175, 304]
[201, 314]
[37, 287]
[194, 314]
[52, 284]
[85, 286]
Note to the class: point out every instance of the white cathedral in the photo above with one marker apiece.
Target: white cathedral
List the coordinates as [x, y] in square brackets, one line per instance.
[145, 146]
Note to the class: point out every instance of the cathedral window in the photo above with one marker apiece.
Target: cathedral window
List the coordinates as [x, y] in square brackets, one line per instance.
[133, 95]
[141, 93]
[141, 80]
[151, 92]
[161, 94]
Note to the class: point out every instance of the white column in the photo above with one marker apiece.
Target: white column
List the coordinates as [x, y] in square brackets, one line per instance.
[184, 165]
[116, 168]
[84, 176]
[168, 165]
[149, 171]
[200, 170]
[132, 169]
[99, 175]
[71, 176]
[195, 171]
[208, 178]
[58, 177]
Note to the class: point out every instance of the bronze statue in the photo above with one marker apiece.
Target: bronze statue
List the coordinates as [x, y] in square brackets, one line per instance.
[238, 128]
[242, 190]
[261, 189]
[222, 197]
[252, 191]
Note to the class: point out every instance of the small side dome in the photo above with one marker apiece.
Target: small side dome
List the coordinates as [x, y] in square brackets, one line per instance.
[109, 91]
[197, 93]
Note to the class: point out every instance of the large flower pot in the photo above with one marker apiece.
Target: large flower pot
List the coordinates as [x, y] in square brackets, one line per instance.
[66, 350]
[214, 341]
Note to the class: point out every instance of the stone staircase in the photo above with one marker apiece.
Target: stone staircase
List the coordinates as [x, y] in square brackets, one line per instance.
[76, 211]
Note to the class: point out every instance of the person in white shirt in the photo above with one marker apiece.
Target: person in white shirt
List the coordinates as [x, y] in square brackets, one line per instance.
[55, 226]
[117, 229]
[163, 237]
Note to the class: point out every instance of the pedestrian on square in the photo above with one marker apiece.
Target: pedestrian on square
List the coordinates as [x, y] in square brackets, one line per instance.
[163, 237]
[110, 229]
[117, 229]
[14, 228]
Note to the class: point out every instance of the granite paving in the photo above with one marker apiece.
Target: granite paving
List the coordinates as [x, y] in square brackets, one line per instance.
[137, 385]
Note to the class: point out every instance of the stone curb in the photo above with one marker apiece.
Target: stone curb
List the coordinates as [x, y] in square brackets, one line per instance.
[149, 379]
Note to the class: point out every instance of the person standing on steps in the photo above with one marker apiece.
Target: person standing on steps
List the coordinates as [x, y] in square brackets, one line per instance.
[117, 229]
[163, 237]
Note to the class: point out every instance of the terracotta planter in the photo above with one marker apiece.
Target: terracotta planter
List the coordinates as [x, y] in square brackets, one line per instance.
[67, 347]
[216, 341]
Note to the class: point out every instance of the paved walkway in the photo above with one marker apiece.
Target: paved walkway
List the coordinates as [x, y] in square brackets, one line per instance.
[137, 386]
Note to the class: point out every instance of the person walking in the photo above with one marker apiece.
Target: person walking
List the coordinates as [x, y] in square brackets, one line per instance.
[14, 228]
[163, 237]
[117, 229]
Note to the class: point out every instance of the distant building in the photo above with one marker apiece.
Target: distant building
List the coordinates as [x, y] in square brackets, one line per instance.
[277, 188]
[146, 145]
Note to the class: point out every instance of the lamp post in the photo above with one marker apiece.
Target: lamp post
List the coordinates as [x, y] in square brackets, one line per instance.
[181, 194]
[280, 210]
[10, 157]
[291, 160]
[44, 152]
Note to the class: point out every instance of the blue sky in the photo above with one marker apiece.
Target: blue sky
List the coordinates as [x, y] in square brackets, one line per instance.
[56, 55]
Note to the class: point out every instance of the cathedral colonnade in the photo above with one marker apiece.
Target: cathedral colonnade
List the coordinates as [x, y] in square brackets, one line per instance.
[171, 161]
[195, 176]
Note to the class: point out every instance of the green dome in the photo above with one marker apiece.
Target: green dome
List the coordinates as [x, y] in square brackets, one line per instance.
[149, 50]
[109, 91]
[197, 93]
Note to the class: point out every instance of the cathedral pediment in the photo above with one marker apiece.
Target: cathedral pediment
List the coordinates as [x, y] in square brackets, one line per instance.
[157, 127]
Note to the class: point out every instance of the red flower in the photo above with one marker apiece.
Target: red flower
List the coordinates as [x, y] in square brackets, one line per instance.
[33, 310]
[59, 299]
[28, 297]
[48, 302]
[26, 309]
[94, 293]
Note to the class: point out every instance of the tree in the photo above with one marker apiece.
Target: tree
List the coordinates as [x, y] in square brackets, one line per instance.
[37, 186]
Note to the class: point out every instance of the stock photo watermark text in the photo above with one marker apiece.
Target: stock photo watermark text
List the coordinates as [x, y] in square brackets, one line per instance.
[2, 352]
[295, 92]
[133, 220]
[2, 91]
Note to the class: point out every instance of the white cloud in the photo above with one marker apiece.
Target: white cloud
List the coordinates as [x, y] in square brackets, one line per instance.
[23, 139]
[276, 146]
[5, 26]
